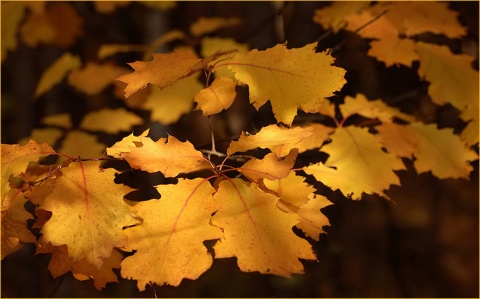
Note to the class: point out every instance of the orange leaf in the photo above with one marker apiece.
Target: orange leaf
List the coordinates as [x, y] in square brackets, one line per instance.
[167, 155]
[169, 242]
[88, 213]
[217, 97]
[257, 232]
[290, 78]
[162, 71]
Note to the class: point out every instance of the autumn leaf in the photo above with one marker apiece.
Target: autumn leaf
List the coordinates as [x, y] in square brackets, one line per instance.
[170, 103]
[66, 22]
[436, 150]
[361, 164]
[333, 16]
[292, 190]
[270, 167]
[216, 97]
[257, 232]
[320, 134]
[37, 29]
[371, 109]
[452, 78]
[12, 15]
[272, 137]
[470, 132]
[61, 263]
[43, 135]
[111, 121]
[207, 25]
[168, 155]
[94, 77]
[106, 7]
[312, 220]
[290, 78]
[125, 144]
[394, 51]
[169, 242]
[107, 50]
[80, 144]
[56, 72]
[88, 213]
[62, 120]
[162, 71]
[211, 45]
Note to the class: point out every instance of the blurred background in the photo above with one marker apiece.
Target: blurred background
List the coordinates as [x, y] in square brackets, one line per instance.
[424, 245]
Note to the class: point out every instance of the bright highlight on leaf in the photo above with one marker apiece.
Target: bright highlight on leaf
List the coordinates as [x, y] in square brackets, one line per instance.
[290, 78]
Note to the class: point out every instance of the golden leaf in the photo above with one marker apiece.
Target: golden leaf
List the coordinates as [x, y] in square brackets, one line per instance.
[43, 135]
[56, 72]
[93, 78]
[207, 25]
[125, 144]
[270, 167]
[333, 16]
[62, 120]
[111, 121]
[80, 144]
[217, 97]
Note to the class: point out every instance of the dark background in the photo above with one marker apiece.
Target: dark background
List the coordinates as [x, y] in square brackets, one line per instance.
[425, 245]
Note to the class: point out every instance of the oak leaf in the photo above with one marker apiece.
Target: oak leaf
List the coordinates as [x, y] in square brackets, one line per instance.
[257, 232]
[216, 97]
[169, 242]
[162, 71]
[88, 213]
[111, 121]
[168, 155]
[290, 78]
[361, 164]
[272, 137]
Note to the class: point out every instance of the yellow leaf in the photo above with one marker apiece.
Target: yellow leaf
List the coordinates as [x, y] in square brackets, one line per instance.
[442, 152]
[394, 51]
[452, 78]
[169, 242]
[169, 104]
[168, 155]
[207, 25]
[257, 232]
[312, 220]
[111, 121]
[93, 78]
[88, 213]
[333, 16]
[372, 109]
[43, 135]
[272, 137]
[80, 144]
[361, 164]
[270, 167]
[211, 45]
[292, 190]
[217, 97]
[62, 120]
[162, 71]
[470, 133]
[290, 78]
[107, 50]
[56, 72]
[125, 144]
[12, 15]
[398, 139]
[320, 134]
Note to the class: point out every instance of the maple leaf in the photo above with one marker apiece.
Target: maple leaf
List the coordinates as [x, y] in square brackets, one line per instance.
[452, 78]
[168, 155]
[169, 104]
[217, 97]
[207, 25]
[212, 45]
[162, 71]
[61, 263]
[111, 121]
[81, 144]
[169, 242]
[361, 164]
[88, 213]
[320, 134]
[289, 78]
[436, 150]
[371, 109]
[270, 167]
[272, 137]
[56, 72]
[94, 77]
[125, 144]
[257, 232]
